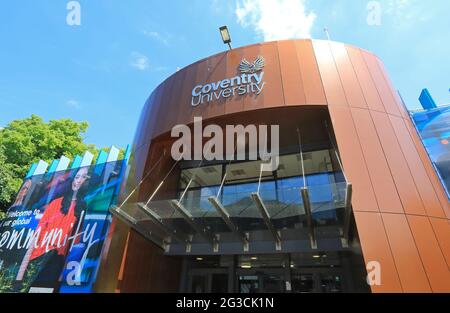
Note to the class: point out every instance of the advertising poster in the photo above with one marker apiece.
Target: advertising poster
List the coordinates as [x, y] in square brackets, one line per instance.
[54, 233]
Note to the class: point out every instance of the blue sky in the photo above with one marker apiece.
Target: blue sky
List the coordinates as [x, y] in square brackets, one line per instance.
[103, 70]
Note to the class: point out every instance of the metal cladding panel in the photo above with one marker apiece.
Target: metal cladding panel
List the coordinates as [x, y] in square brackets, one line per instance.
[170, 100]
[375, 247]
[164, 104]
[381, 153]
[291, 76]
[430, 253]
[254, 103]
[329, 73]
[394, 92]
[272, 95]
[406, 255]
[390, 106]
[365, 79]
[426, 190]
[404, 182]
[201, 76]
[347, 74]
[217, 67]
[312, 81]
[233, 58]
[441, 229]
[379, 172]
[353, 160]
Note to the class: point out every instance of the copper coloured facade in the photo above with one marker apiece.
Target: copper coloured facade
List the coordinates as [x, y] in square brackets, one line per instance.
[401, 211]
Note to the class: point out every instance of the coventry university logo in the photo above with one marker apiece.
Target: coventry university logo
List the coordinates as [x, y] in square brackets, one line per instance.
[256, 66]
[248, 82]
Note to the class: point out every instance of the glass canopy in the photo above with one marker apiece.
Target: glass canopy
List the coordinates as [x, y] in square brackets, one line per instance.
[237, 215]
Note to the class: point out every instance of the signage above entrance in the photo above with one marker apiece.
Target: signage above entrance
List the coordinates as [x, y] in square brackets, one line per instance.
[249, 82]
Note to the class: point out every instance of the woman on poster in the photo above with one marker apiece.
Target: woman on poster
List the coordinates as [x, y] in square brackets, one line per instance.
[45, 259]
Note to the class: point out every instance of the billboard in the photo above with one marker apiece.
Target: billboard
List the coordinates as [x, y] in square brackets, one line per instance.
[54, 233]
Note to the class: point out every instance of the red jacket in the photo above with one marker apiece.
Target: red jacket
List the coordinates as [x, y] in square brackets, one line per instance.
[54, 219]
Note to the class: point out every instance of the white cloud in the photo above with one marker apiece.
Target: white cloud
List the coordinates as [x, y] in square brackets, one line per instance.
[139, 61]
[276, 19]
[74, 104]
[157, 36]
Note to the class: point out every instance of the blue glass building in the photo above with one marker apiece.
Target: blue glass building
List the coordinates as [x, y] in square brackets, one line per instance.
[433, 125]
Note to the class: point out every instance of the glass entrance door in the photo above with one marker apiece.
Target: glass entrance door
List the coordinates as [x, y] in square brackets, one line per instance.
[267, 273]
[198, 283]
[207, 281]
[316, 281]
[261, 281]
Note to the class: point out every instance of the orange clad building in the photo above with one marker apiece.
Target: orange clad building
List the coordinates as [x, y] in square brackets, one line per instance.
[354, 193]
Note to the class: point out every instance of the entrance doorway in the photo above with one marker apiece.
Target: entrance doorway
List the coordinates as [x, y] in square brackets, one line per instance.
[316, 281]
[316, 272]
[208, 281]
[261, 281]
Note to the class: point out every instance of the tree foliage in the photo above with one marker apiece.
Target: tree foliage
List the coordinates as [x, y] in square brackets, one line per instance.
[26, 141]
[9, 183]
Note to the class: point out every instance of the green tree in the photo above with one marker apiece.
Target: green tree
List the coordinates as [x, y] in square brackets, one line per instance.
[26, 141]
[9, 183]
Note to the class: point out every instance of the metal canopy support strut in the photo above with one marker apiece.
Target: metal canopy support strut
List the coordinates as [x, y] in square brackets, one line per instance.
[156, 219]
[309, 219]
[132, 222]
[266, 217]
[142, 180]
[305, 197]
[226, 218]
[347, 215]
[190, 220]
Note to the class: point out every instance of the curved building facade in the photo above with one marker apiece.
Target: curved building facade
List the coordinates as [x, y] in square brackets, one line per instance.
[354, 193]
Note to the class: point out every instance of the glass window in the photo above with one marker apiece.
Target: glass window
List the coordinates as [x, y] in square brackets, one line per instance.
[248, 284]
[290, 165]
[291, 182]
[202, 176]
[199, 284]
[262, 261]
[317, 162]
[302, 283]
[245, 172]
[314, 162]
[273, 283]
[219, 283]
[330, 283]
